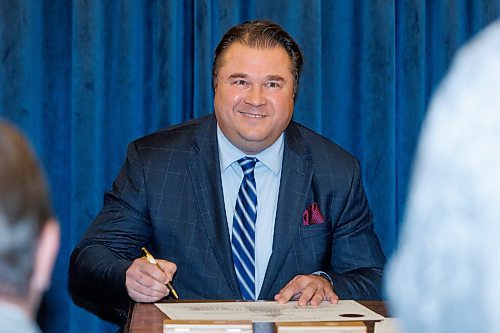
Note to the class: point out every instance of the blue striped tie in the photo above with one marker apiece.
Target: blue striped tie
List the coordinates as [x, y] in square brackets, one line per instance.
[243, 240]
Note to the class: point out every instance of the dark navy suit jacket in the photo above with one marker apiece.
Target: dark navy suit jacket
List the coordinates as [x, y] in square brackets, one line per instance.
[168, 197]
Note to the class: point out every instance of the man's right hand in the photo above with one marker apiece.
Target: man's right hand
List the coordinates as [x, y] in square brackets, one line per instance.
[145, 282]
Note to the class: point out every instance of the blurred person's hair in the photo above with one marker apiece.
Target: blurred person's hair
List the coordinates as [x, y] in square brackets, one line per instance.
[24, 209]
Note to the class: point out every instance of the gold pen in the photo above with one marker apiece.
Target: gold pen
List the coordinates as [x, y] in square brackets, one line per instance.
[152, 260]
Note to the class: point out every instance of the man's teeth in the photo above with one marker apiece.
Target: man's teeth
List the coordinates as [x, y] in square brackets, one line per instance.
[253, 115]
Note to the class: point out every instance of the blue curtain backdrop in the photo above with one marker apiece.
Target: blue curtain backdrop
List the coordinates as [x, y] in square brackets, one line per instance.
[84, 77]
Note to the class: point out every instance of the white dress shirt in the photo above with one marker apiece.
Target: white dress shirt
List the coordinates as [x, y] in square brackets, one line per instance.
[267, 178]
[15, 320]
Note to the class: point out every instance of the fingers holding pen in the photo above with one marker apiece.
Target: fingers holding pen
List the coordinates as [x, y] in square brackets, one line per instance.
[169, 268]
[145, 282]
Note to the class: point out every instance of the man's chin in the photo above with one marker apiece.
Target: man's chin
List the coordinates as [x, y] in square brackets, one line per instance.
[253, 145]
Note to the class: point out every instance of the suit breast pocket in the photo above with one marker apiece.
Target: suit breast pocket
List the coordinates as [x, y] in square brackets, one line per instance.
[313, 247]
[316, 230]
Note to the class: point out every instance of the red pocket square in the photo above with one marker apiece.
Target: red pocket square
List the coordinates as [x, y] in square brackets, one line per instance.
[312, 215]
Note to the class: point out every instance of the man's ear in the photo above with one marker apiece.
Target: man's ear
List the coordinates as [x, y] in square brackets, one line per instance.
[45, 256]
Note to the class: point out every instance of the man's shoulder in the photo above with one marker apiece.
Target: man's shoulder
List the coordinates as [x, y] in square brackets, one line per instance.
[179, 136]
[320, 147]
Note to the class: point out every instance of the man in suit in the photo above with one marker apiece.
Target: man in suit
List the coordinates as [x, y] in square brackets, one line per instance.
[186, 194]
[29, 235]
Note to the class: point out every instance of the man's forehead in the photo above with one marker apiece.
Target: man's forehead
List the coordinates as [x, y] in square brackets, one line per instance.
[241, 53]
[239, 46]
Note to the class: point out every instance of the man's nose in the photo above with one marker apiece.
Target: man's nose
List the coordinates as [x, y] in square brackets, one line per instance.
[255, 96]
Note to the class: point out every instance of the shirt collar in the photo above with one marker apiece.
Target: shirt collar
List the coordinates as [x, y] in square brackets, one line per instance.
[16, 315]
[271, 157]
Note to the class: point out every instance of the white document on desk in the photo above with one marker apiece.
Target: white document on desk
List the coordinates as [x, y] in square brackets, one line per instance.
[268, 311]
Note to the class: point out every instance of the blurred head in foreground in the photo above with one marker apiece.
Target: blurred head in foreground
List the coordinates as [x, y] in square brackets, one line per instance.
[29, 235]
[444, 275]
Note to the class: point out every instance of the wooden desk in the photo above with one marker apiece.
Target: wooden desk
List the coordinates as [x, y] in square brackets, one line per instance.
[147, 318]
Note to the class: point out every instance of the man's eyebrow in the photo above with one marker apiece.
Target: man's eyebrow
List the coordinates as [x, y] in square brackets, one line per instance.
[237, 75]
[275, 78]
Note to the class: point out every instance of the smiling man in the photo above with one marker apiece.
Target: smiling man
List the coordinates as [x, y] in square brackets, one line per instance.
[243, 204]
[253, 96]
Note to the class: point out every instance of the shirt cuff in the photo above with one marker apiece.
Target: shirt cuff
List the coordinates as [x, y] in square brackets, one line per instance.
[324, 275]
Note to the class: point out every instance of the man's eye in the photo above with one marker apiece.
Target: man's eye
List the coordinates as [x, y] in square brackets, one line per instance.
[240, 83]
[273, 85]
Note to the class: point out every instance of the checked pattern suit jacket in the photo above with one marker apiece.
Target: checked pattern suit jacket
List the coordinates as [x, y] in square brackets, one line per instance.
[168, 196]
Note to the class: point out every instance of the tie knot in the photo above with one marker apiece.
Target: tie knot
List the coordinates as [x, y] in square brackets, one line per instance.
[247, 164]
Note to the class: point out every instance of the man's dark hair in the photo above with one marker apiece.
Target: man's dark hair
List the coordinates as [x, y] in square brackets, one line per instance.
[263, 35]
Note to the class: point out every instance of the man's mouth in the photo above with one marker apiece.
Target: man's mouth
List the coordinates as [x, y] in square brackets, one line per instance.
[252, 115]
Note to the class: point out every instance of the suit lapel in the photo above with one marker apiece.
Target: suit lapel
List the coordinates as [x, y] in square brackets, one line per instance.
[204, 168]
[296, 178]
